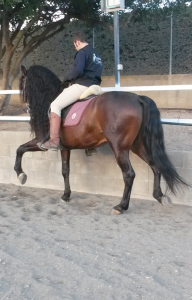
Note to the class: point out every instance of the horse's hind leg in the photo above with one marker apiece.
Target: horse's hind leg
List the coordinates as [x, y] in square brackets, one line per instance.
[124, 163]
[65, 157]
[138, 148]
[29, 146]
[157, 192]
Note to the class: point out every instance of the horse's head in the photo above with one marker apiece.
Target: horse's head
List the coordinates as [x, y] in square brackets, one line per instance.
[39, 87]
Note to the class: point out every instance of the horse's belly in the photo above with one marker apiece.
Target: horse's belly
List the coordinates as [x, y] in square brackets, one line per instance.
[82, 137]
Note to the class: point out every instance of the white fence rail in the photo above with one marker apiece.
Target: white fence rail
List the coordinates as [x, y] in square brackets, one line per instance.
[148, 88]
[14, 119]
[127, 89]
[184, 122]
[9, 92]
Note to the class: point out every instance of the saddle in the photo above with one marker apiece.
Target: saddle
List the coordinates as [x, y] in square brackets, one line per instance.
[72, 114]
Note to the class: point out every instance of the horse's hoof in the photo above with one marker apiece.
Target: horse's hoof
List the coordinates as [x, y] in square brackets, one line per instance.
[115, 212]
[22, 178]
[65, 198]
[166, 201]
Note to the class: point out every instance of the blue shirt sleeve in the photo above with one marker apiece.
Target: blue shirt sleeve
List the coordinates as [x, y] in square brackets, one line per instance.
[79, 65]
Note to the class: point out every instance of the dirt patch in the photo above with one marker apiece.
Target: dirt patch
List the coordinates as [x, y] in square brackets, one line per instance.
[177, 137]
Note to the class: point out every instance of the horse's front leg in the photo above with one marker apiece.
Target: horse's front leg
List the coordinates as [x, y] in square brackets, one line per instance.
[65, 157]
[29, 146]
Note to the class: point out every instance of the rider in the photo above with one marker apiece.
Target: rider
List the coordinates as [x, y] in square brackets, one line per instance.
[87, 71]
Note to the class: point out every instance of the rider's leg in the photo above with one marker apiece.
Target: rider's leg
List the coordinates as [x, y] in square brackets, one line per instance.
[67, 97]
[53, 142]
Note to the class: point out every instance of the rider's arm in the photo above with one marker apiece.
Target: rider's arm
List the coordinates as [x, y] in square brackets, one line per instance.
[79, 66]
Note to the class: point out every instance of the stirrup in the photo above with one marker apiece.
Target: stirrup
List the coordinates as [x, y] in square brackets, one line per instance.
[51, 145]
[90, 152]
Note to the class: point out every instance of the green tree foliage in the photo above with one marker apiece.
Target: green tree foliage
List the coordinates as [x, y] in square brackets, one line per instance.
[26, 24]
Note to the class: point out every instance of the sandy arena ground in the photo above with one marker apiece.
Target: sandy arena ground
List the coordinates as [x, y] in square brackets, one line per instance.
[52, 250]
[78, 251]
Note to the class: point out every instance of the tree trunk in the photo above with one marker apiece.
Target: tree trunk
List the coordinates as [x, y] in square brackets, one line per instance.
[5, 101]
[5, 82]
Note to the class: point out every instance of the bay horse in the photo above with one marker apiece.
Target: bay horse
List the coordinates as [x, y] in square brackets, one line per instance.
[124, 120]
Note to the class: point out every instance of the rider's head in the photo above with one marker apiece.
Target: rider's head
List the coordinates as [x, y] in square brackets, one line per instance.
[79, 40]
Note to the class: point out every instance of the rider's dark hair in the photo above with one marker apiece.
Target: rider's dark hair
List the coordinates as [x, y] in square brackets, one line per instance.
[80, 36]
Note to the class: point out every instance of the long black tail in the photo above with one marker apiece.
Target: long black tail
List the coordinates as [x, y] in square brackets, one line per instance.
[153, 139]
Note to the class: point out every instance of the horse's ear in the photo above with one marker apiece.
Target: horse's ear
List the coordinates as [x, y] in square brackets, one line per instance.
[23, 70]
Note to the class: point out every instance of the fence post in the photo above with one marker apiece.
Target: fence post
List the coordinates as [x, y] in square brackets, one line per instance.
[170, 55]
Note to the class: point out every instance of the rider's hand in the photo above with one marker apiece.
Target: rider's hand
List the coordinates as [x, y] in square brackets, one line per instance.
[66, 83]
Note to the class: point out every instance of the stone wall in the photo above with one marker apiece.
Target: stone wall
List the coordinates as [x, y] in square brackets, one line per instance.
[98, 174]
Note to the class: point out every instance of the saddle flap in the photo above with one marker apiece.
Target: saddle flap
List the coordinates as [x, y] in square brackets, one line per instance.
[72, 114]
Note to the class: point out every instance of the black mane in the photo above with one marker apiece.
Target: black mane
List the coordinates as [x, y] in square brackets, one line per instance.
[42, 87]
